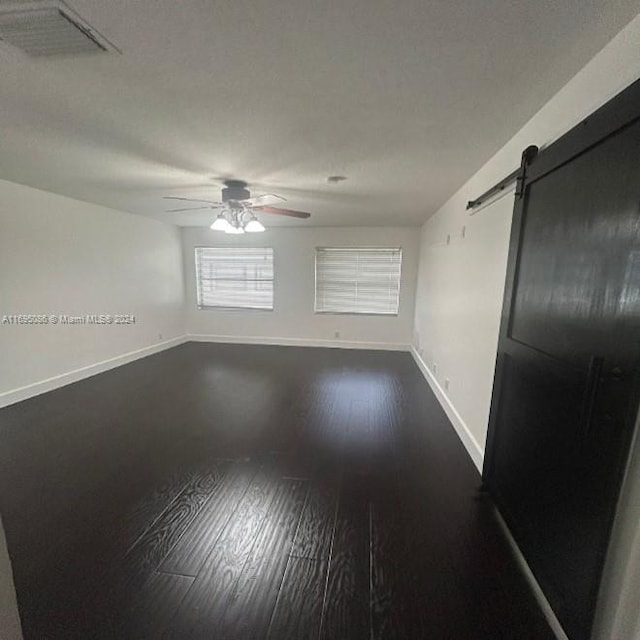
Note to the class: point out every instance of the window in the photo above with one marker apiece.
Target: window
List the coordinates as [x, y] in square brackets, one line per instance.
[358, 280]
[234, 277]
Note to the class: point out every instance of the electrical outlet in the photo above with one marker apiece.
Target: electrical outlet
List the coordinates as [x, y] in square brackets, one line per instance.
[159, 336]
[336, 334]
[446, 384]
[448, 238]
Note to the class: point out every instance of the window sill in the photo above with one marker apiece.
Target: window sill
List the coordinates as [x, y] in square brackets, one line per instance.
[356, 313]
[234, 309]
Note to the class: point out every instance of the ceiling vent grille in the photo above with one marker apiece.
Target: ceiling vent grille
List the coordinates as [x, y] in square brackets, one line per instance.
[49, 31]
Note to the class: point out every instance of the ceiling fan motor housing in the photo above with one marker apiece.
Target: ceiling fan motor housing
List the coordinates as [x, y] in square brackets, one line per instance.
[235, 190]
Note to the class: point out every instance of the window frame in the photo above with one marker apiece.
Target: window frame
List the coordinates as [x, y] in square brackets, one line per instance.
[201, 307]
[356, 313]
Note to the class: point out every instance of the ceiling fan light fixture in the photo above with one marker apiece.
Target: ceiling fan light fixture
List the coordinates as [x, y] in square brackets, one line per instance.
[220, 224]
[236, 214]
[254, 226]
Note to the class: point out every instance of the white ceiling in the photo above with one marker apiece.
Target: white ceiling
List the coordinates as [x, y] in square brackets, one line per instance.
[405, 97]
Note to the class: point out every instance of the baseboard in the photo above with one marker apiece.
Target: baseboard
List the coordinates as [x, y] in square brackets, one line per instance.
[470, 443]
[547, 611]
[35, 389]
[301, 342]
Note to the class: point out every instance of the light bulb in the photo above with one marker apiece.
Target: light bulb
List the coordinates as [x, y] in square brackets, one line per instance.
[220, 223]
[254, 226]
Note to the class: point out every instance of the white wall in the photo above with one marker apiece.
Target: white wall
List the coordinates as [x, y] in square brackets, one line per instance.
[62, 256]
[458, 304]
[293, 320]
[460, 286]
[619, 613]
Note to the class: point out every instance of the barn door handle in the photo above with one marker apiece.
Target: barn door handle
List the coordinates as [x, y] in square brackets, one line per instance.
[617, 374]
[596, 365]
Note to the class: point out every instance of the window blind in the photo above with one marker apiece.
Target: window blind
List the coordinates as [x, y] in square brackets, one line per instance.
[358, 280]
[234, 277]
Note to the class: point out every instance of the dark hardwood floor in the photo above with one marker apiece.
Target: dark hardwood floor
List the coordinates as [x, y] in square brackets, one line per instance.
[250, 492]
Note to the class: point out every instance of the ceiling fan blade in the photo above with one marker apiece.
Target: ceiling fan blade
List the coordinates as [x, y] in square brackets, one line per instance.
[191, 199]
[281, 212]
[188, 209]
[258, 200]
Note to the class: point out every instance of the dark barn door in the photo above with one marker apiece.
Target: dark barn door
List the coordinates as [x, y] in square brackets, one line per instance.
[566, 390]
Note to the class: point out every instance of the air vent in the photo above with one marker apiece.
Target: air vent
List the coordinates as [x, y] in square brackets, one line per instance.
[49, 32]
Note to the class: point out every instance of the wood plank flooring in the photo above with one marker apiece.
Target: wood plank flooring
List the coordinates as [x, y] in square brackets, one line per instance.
[250, 492]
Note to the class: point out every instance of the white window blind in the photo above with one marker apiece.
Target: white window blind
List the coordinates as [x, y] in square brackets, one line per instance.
[358, 280]
[234, 277]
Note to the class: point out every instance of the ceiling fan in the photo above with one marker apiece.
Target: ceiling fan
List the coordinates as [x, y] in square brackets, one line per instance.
[238, 209]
